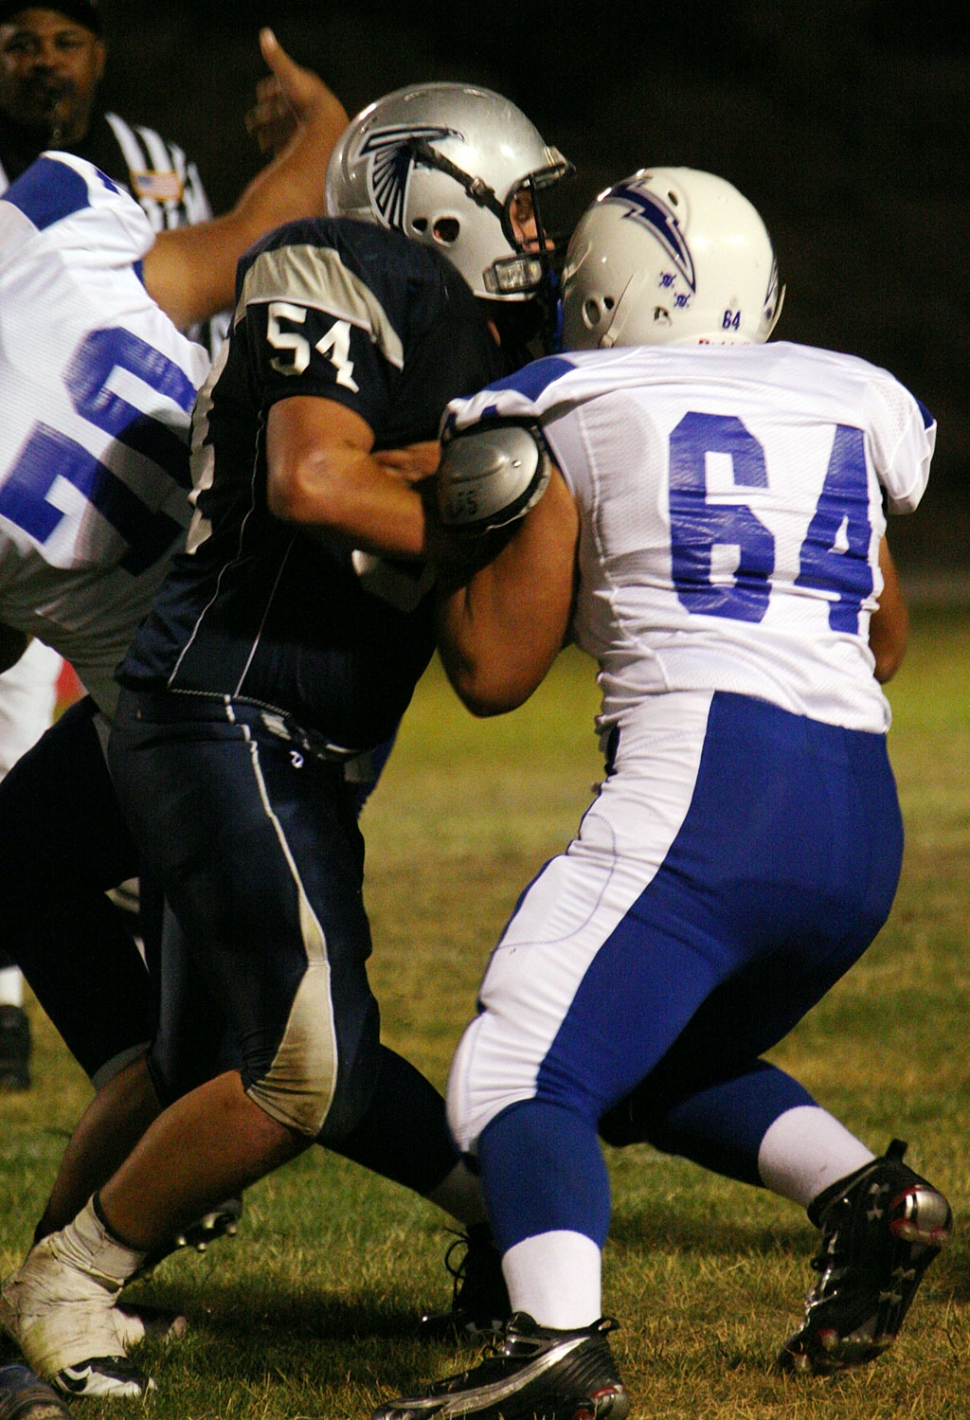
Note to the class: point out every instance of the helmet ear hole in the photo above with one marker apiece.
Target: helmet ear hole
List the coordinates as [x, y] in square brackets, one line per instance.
[446, 230]
[591, 314]
[420, 224]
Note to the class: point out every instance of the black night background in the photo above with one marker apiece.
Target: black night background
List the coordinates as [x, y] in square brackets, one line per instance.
[844, 121]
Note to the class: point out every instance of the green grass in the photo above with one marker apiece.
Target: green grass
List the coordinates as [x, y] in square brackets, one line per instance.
[309, 1313]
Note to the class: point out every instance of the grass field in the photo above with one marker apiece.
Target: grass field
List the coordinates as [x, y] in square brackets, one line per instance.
[309, 1314]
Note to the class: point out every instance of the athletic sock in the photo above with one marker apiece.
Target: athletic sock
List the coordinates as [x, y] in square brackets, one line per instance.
[805, 1151]
[556, 1278]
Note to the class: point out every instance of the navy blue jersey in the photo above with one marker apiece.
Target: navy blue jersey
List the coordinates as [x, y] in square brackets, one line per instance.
[257, 609]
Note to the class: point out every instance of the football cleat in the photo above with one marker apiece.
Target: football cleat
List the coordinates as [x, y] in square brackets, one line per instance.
[113, 1376]
[552, 1375]
[14, 1048]
[222, 1222]
[881, 1227]
[24, 1396]
[480, 1299]
[60, 1309]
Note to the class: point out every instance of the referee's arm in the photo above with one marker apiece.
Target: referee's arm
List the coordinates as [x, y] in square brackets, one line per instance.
[190, 271]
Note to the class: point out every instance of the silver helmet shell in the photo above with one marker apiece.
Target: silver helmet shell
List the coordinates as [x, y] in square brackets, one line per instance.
[445, 164]
[670, 256]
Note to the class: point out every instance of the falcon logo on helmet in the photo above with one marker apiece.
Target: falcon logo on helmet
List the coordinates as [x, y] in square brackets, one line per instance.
[392, 160]
[461, 169]
[645, 206]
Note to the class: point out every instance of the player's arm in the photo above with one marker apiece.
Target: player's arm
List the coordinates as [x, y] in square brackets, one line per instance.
[501, 627]
[191, 271]
[889, 624]
[321, 474]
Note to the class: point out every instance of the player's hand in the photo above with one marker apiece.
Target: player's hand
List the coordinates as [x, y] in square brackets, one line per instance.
[288, 98]
[412, 463]
[271, 120]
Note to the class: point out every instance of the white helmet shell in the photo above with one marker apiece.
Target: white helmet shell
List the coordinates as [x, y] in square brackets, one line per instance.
[670, 256]
[383, 170]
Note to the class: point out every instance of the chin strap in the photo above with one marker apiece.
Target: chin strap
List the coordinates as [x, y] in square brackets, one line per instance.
[476, 188]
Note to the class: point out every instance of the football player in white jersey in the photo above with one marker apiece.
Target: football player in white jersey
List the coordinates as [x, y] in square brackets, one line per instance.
[55, 54]
[709, 515]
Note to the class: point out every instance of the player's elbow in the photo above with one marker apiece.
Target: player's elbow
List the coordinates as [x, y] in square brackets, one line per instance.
[282, 499]
[485, 687]
[888, 635]
[889, 657]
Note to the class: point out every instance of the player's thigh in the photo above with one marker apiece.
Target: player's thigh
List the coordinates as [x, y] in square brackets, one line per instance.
[260, 858]
[777, 875]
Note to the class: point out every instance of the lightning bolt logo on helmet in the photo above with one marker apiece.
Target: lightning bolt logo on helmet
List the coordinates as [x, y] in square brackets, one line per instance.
[391, 162]
[647, 208]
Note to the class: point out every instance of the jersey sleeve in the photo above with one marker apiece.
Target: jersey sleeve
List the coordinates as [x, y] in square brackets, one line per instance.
[313, 327]
[904, 436]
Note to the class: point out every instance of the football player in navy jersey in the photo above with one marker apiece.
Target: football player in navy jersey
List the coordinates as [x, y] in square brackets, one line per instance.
[286, 643]
[707, 518]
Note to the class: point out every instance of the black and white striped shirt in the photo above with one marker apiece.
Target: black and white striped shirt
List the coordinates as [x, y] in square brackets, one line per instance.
[155, 171]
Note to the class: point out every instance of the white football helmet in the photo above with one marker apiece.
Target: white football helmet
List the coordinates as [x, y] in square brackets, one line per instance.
[452, 166]
[670, 256]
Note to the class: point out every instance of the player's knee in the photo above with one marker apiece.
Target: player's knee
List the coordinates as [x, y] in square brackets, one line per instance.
[323, 1073]
[357, 1079]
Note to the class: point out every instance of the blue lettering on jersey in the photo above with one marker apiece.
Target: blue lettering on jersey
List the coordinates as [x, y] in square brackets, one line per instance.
[49, 454]
[835, 554]
[697, 526]
[834, 557]
[48, 192]
[87, 379]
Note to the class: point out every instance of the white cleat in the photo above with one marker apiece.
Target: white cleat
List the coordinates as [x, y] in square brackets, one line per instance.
[60, 1309]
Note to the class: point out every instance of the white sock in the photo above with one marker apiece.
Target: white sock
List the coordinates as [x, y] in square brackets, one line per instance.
[87, 1245]
[11, 987]
[60, 1304]
[556, 1278]
[806, 1150]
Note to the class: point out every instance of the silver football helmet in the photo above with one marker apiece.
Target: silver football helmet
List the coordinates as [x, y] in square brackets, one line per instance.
[670, 256]
[455, 167]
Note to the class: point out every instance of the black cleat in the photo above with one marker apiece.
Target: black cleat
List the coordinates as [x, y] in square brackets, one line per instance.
[222, 1222]
[24, 1396]
[540, 1374]
[881, 1227]
[14, 1049]
[480, 1299]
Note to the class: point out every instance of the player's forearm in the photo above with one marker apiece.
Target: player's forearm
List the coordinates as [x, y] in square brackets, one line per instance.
[889, 625]
[322, 476]
[347, 495]
[500, 629]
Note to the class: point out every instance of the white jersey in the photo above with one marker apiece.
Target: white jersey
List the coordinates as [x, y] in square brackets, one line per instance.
[731, 506]
[97, 388]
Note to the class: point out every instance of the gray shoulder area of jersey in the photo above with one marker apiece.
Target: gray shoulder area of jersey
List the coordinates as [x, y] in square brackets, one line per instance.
[315, 276]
